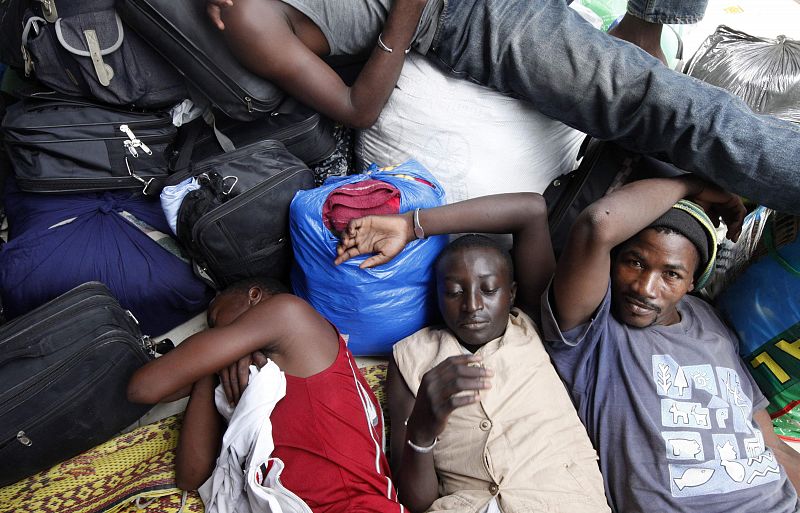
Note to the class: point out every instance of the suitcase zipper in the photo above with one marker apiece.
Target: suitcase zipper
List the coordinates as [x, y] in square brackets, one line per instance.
[86, 184]
[152, 139]
[42, 326]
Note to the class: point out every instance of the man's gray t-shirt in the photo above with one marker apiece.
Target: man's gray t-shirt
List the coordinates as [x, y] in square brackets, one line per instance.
[670, 411]
[352, 26]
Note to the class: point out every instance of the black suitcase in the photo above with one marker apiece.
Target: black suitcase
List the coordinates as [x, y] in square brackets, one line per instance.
[65, 369]
[61, 144]
[237, 224]
[604, 167]
[181, 31]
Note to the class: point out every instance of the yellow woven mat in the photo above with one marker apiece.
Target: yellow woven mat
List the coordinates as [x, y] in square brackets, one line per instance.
[132, 473]
[109, 478]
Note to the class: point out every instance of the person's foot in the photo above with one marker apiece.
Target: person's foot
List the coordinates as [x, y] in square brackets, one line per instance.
[643, 34]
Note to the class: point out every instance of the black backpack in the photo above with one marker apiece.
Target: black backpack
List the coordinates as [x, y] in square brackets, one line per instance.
[82, 48]
[236, 225]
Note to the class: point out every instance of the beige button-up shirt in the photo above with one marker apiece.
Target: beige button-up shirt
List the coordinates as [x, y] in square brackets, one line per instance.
[522, 443]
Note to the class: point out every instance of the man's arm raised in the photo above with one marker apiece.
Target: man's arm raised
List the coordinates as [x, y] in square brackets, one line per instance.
[582, 275]
[261, 37]
[522, 214]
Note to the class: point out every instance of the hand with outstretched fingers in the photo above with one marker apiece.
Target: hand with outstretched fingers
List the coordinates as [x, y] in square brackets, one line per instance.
[719, 203]
[386, 236]
[235, 377]
[214, 10]
[454, 383]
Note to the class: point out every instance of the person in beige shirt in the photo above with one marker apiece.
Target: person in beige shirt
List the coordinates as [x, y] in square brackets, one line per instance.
[480, 420]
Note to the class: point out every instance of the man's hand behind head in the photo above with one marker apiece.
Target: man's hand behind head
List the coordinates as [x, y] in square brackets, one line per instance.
[722, 204]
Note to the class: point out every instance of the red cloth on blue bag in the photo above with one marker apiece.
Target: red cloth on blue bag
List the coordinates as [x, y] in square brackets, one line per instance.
[359, 199]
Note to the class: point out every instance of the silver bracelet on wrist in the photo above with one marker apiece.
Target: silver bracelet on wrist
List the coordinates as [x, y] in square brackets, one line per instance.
[385, 48]
[418, 448]
[418, 231]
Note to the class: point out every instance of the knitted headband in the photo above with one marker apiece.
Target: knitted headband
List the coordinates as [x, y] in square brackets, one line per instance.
[691, 221]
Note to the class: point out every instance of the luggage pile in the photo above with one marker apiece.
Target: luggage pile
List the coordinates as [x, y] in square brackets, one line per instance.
[146, 169]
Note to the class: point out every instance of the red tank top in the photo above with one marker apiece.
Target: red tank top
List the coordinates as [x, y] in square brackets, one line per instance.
[328, 430]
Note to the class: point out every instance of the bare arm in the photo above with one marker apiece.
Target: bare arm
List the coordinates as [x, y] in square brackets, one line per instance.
[788, 457]
[262, 39]
[582, 274]
[414, 473]
[283, 319]
[522, 214]
[448, 386]
[201, 434]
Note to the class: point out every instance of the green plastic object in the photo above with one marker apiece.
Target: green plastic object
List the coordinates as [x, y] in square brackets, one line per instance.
[608, 10]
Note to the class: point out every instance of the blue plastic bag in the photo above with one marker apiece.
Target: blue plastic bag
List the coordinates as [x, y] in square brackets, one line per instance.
[763, 307]
[373, 307]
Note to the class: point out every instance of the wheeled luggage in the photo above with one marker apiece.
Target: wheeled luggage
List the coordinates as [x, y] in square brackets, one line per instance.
[65, 368]
[181, 31]
[61, 144]
[236, 224]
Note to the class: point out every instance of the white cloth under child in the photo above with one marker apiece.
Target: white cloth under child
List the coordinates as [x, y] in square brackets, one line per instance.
[238, 483]
[172, 198]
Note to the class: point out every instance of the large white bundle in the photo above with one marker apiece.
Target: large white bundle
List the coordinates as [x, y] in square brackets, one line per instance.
[474, 140]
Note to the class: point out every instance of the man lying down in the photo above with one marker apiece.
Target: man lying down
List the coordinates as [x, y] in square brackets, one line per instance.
[479, 425]
[480, 421]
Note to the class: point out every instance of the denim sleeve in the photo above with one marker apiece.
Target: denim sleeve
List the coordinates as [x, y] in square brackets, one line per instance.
[668, 12]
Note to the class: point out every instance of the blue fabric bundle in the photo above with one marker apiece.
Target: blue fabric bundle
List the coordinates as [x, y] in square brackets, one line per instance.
[374, 307]
[57, 242]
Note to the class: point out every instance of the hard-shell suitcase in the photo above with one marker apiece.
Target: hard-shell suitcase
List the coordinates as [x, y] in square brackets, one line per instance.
[65, 369]
[237, 224]
[181, 31]
[62, 144]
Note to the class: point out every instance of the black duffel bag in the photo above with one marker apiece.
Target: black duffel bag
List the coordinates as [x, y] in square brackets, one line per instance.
[83, 49]
[65, 369]
[237, 224]
[59, 144]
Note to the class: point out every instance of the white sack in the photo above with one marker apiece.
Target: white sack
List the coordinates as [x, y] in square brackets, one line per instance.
[474, 140]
